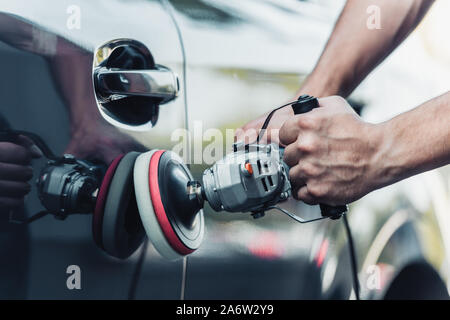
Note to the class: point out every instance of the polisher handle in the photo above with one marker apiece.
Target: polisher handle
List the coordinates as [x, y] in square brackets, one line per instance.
[305, 104]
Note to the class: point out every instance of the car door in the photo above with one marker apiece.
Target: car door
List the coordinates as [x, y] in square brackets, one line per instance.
[244, 58]
[46, 50]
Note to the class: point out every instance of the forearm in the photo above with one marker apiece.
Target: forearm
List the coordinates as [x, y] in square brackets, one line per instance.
[72, 73]
[70, 64]
[414, 142]
[354, 50]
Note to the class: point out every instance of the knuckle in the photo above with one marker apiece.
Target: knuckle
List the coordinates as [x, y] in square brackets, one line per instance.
[302, 195]
[287, 125]
[290, 155]
[306, 144]
[337, 99]
[308, 169]
[316, 190]
[341, 100]
[293, 177]
[307, 121]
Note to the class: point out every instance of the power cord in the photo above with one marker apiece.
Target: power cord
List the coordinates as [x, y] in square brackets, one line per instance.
[25, 222]
[353, 264]
[269, 117]
[138, 268]
[351, 246]
[137, 271]
[11, 135]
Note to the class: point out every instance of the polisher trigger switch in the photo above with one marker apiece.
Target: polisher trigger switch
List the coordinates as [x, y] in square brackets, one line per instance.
[248, 169]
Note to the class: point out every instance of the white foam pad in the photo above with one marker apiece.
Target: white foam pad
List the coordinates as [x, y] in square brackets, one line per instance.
[145, 206]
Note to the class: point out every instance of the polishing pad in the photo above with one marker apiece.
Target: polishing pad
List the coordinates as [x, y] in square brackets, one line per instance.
[173, 222]
[97, 220]
[122, 230]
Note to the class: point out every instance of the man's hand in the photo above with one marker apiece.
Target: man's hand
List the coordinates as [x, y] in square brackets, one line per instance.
[351, 53]
[15, 158]
[96, 139]
[331, 152]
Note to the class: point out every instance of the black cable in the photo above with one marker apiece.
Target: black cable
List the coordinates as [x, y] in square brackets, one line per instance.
[40, 143]
[268, 118]
[25, 222]
[351, 245]
[137, 272]
[294, 216]
[184, 278]
[11, 135]
[353, 264]
[37, 216]
[48, 153]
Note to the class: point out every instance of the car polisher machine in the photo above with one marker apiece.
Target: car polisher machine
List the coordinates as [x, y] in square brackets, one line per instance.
[154, 193]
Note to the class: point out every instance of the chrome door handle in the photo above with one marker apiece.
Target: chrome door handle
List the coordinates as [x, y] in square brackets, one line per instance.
[160, 83]
[129, 86]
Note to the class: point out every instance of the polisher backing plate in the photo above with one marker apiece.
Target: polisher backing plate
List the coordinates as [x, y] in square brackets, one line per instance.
[122, 232]
[97, 219]
[160, 227]
[175, 208]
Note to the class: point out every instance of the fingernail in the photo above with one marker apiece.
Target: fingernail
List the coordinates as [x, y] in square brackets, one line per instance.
[36, 152]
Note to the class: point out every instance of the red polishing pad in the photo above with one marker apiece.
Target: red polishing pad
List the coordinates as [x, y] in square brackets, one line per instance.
[158, 206]
[97, 220]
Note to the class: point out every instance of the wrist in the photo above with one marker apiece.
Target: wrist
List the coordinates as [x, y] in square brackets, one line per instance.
[384, 163]
[319, 84]
[82, 117]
